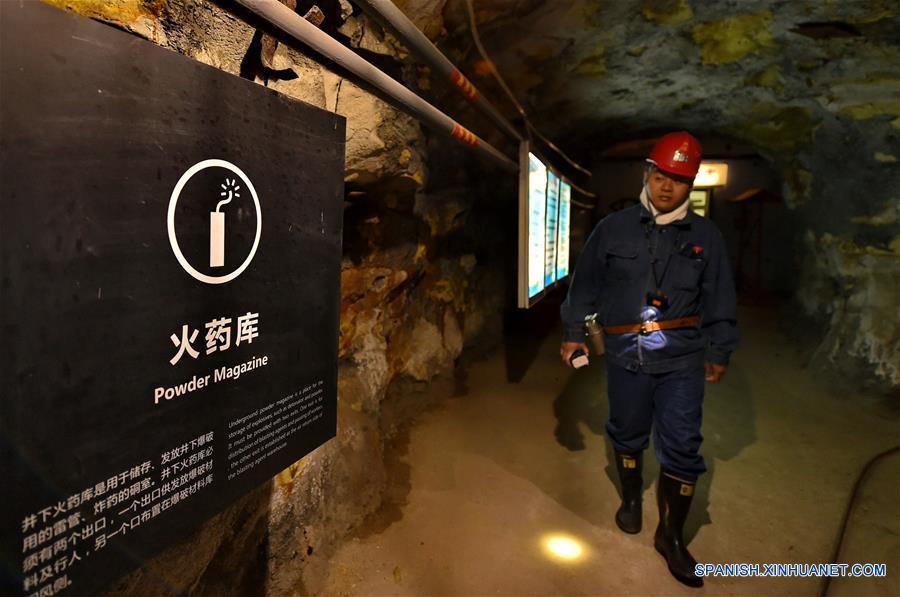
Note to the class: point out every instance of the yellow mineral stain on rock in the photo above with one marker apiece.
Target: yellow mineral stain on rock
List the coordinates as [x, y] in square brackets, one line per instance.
[434, 221]
[800, 183]
[809, 64]
[877, 10]
[885, 158]
[895, 245]
[449, 290]
[889, 216]
[593, 66]
[405, 156]
[730, 40]
[442, 290]
[848, 248]
[770, 77]
[872, 109]
[138, 16]
[424, 78]
[285, 479]
[667, 12]
[780, 129]
[398, 47]
[421, 252]
[862, 99]
[416, 176]
[346, 327]
[124, 11]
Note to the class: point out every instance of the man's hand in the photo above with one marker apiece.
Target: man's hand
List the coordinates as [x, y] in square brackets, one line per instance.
[715, 372]
[567, 348]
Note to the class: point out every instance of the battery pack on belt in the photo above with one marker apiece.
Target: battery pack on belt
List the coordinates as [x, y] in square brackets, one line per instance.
[653, 326]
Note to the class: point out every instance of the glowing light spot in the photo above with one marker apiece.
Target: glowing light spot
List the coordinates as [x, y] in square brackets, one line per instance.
[711, 175]
[563, 547]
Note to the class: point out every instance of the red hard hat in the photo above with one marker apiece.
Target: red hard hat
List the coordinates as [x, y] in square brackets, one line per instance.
[678, 154]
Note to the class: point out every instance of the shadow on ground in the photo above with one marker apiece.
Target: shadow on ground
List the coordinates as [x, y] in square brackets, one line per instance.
[525, 331]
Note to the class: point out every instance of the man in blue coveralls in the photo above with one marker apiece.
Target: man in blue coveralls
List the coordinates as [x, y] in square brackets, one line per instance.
[658, 278]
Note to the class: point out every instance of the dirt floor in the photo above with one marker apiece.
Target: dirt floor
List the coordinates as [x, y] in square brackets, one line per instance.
[517, 457]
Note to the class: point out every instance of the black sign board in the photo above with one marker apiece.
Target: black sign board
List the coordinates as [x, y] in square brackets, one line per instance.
[170, 247]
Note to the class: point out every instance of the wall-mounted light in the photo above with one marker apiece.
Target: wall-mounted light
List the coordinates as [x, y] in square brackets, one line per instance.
[711, 174]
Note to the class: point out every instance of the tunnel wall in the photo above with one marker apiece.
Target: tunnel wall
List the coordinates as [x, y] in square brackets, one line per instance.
[422, 280]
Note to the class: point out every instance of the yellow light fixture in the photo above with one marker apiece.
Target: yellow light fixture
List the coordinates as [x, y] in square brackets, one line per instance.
[559, 546]
[711, 174]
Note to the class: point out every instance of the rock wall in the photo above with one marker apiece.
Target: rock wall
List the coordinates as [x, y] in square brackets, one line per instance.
[421, 281]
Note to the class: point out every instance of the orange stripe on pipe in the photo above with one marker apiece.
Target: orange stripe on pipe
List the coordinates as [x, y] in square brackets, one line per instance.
[464, 135]
[465, 85]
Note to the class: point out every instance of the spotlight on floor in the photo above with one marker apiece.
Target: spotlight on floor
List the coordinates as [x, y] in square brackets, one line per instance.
[563, 547]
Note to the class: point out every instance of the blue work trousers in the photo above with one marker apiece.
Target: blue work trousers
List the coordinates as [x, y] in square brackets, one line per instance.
[669, 403]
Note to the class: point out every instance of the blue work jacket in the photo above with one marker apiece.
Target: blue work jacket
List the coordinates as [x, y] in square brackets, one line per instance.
[613, 277]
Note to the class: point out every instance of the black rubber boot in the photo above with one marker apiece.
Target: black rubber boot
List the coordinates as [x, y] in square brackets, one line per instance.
[674, 496]
[629, 515]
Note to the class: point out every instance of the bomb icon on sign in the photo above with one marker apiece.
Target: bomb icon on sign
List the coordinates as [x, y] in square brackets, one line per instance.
[230, 190]
[199, 186]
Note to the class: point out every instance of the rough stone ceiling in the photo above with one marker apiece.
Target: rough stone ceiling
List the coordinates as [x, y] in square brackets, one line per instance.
[587, 69]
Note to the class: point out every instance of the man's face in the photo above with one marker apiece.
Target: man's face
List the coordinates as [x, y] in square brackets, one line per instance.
[667, 192]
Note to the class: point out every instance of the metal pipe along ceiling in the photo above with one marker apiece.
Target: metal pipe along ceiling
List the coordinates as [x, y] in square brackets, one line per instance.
[392, 18]
[386, 13]
[300, 29]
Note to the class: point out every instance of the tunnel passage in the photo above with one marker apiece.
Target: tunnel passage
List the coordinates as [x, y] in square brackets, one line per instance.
[810, 91]
[799, 98]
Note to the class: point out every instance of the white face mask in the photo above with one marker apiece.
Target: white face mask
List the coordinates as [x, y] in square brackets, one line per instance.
[661, 219]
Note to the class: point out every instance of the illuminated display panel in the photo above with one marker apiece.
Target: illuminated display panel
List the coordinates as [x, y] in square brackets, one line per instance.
[544, 227]
[550, 230]
[699, 199]
[537, 210]
[562, 242]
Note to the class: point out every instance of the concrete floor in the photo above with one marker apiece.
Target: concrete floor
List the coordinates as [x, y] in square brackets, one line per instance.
[483, 479]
